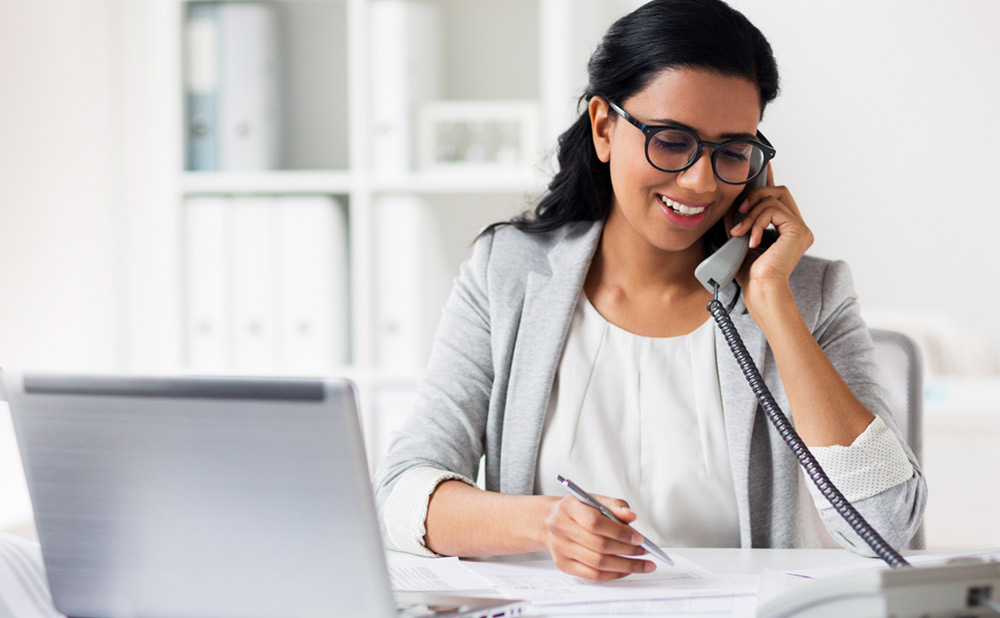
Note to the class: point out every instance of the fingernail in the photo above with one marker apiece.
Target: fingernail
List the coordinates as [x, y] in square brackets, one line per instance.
[735, 227]
[649, 568]
[637, 538]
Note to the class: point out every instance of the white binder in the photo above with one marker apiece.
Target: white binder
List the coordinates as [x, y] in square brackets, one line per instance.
[312, 284]
[201, 85]
[206, 266]
[406, 60]
[252, 276]
[249, 113]
[398, 219]
[413, 276]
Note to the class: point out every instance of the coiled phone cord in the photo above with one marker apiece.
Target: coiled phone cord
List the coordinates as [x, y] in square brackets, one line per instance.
[808, 461]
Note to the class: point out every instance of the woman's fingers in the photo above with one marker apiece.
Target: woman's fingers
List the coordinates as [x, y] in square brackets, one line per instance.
[766, 212]
[599, 567]
[585, 543]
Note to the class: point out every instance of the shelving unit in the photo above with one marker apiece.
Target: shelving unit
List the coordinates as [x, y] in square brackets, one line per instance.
[487, 51]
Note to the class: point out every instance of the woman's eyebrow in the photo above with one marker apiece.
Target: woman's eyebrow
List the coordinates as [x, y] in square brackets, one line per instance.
[667, 122]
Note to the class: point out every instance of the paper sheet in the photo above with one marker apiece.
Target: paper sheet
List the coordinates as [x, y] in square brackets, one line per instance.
[541, 583]
[774, 583]
[24, 589]
[434, 575]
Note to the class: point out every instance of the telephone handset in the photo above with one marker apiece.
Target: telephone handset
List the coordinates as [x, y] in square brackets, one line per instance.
[722, 265]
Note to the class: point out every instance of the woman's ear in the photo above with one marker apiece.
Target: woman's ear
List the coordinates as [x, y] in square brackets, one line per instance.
[600, 127]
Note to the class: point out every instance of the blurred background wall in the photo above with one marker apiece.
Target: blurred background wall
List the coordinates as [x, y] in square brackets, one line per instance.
[886, 133]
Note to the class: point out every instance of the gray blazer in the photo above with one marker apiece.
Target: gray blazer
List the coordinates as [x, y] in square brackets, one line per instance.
[486, 389]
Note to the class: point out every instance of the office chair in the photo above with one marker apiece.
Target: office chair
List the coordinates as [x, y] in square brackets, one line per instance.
[901, 369]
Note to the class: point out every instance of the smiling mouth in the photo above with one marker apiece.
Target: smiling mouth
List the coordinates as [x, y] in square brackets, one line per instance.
[682, 209]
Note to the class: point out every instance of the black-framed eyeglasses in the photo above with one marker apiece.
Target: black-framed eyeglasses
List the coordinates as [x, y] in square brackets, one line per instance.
[674, 149]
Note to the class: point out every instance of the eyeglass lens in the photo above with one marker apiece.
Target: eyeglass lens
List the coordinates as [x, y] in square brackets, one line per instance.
[672, 150]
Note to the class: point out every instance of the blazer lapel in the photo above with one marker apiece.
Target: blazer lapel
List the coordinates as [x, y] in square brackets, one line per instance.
[549, 301]
[740, 405]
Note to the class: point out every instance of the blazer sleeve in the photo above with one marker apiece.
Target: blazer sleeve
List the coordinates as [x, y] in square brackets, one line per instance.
[896, 512]
[446, 431]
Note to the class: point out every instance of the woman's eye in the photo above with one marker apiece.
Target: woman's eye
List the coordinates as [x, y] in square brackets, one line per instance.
[673, 146]
[733, 156]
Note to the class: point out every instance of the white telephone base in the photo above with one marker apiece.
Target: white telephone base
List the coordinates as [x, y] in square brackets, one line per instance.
[955, 590]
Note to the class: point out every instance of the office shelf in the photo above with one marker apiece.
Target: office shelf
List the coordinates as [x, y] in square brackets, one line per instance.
[346, 135]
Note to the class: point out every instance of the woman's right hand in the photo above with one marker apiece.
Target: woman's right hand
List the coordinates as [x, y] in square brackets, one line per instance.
[587, 544]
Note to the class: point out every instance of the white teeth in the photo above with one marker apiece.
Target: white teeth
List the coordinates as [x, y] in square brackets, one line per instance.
[679, 208]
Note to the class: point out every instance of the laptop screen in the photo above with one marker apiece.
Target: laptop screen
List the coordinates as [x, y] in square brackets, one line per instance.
[200, 496]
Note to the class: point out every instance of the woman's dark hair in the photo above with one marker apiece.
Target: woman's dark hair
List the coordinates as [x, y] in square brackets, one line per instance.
[662, 34]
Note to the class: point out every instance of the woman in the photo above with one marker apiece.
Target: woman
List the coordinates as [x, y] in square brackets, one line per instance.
[576, 340]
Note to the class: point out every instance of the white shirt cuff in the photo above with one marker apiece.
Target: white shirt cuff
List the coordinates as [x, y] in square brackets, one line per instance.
[405, 510]
[874, 462]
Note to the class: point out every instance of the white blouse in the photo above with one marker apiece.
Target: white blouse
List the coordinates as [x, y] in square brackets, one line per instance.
[640, 418]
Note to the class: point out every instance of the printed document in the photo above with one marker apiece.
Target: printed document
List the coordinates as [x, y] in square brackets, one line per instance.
[434, 575]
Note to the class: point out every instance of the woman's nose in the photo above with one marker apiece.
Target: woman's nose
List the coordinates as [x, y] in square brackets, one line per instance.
[700, 177]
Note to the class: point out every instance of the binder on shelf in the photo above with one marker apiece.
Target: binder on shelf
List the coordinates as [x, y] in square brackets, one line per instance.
[406, 59]
[232, 86]
[248, 105]
[206, 268]
[252, 275]
[397, 276]
[266, 282]
[312, 282]
[413, 275]
[201, 85]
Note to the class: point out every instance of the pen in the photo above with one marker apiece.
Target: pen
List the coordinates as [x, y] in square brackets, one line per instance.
[589, 500]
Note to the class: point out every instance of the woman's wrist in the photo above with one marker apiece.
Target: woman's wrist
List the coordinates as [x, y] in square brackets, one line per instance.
[766, 299]
[544, 507]
[467, 521]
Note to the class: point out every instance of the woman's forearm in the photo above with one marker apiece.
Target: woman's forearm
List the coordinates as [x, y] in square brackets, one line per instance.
[825, 410]
[467, 521]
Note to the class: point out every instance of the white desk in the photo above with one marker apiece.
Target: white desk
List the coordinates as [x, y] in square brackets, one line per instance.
[722, 562]
[718, 561]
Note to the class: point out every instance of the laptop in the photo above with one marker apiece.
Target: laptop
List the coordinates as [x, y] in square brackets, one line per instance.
[207, 498]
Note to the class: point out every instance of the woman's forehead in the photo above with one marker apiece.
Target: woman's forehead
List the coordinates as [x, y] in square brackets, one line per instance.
[710, 103]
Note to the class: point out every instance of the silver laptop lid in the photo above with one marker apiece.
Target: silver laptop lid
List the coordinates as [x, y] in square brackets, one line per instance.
[200, 497]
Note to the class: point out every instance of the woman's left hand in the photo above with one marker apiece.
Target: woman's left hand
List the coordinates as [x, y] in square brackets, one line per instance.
[769, 270]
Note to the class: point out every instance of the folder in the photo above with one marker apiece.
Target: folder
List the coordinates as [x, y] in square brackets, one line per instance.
[413, 275]
[206, 267]
[397, 274]
[406, 59]
[232, 89]
[252, 276]
[201, 85]
[312, 281]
